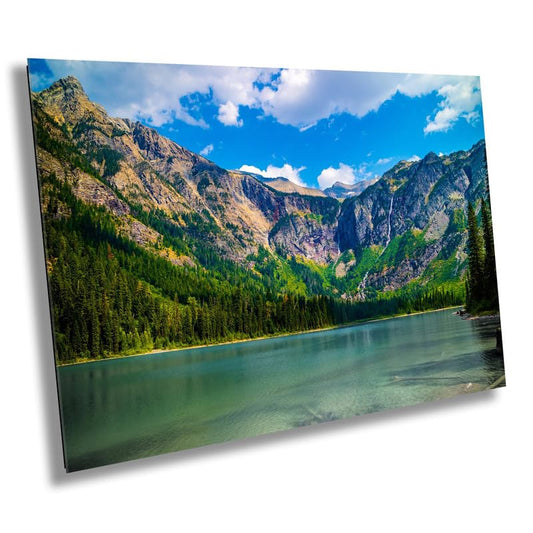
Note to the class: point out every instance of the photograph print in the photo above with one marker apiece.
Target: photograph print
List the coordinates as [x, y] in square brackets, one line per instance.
[235, 251]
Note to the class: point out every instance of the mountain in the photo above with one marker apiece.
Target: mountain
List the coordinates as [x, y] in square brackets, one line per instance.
[132, 165]
[150, 244]
[412, 221]
[285, 185]
[341, 190]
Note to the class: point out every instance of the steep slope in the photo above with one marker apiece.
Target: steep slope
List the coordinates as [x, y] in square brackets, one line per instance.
[151, 245]
[404, 228]
[132, 170]
[414, 215]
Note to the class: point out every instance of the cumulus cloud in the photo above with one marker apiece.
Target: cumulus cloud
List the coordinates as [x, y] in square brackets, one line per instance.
[384, 160]
[228, 114]
[458, 100]
[207, 150]
[155, 93]
[419, 84]
[158, 94]
[302, 97]
[414, 158]
[252, 169]
[286, 171]
[330, 175]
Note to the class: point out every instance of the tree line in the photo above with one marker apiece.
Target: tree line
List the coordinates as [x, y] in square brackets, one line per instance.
[110, 297]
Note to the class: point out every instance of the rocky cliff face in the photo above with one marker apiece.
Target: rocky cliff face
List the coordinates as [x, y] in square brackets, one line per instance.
[420, 195]
[307, 235]
[423, 199]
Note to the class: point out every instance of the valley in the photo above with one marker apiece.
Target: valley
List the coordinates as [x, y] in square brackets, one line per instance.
[152, 246]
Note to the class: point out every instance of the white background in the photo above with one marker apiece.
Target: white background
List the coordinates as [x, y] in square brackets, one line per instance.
[459, 465]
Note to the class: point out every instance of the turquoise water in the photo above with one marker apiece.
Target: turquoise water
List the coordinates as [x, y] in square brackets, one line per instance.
[123, 409]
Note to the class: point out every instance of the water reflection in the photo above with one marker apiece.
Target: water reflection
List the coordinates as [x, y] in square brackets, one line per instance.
[124, 409]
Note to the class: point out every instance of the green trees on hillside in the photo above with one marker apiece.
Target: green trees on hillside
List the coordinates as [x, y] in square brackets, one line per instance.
[110, 296]
[481, 285]
[489, 270]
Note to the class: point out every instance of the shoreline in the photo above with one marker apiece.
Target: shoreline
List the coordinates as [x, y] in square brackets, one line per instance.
[264, 337]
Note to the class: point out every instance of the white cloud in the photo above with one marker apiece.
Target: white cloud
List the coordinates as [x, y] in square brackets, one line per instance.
[442, 121]
[330, 175]
[414, 158]
[472, 117]
[155, 93]
[152, 92]
[302, 97]
[419, 84]
[228, 114]
[207, 150]
[384, 160]
[307, 127]
[252, 169]
[458, 100]
[286, 171]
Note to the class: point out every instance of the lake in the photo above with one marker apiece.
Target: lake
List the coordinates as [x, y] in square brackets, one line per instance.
[121, 409]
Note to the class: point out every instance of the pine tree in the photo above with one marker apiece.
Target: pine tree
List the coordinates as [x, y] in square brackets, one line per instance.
[475, 260]
[490, 284]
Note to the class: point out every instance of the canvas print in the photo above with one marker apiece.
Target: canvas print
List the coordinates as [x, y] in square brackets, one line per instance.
[237, 251]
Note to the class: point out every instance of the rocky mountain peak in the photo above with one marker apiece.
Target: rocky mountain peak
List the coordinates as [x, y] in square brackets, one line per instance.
[65, 89]
[478, 147]
[431, 157]
[393, 228]
[67, 102]
[69, 83]
[342, 190]
[342, 184]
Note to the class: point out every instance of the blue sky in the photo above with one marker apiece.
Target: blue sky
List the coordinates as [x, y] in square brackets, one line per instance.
[313, 127]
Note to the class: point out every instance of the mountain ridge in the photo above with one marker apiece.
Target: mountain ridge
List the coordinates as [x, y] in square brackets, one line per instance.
[134, 172]
[342, 190]
[282, 184]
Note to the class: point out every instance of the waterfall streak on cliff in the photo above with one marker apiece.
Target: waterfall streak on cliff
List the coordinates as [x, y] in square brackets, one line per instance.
[388, 222]
[362, 286]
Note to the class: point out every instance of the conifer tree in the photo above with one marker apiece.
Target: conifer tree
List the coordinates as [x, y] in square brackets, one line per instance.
[475, 260]
[490, 284]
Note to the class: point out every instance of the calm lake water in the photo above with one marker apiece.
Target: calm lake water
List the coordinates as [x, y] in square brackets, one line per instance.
[124, 409]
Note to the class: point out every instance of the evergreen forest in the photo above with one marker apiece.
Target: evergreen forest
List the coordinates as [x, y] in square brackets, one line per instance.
[112, 297]
[150, 246]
